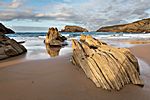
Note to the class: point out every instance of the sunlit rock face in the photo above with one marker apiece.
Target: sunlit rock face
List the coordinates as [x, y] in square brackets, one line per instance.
[54, 38]
[108, 67]
[141, 26]
[74, 29]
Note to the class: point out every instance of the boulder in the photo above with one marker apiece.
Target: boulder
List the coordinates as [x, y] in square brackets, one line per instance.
[54, 38]
[108, 67]
[74, 29]
[141, 26]
[4, 30]
[9, 47]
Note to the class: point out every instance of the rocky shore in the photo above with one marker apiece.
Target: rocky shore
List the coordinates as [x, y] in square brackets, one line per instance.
[141, 26]
[9, 47]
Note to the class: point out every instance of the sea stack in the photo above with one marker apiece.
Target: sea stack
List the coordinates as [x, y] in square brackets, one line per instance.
[108, 67]
[141, 26]
[54, 38]
[9, 47]
[74, 29]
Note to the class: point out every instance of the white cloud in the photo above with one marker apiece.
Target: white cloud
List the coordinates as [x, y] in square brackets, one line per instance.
[15, 4]
[12, 5]
[91, 14]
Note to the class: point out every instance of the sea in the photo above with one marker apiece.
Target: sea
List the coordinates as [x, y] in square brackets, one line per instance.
[34, 42]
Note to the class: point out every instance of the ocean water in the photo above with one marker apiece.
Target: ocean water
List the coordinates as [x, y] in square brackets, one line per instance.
[34, 41]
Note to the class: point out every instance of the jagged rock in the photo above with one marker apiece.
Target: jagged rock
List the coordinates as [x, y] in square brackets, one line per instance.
[4, 30]
[108, 67]
[74, 29]
[9, 47]
[54, 38]
[141, 26]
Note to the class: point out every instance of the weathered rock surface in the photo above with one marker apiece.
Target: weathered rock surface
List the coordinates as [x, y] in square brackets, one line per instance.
[54, 38]
[108, 67]
[74, 29]
[142, 26]
[10, 47]
[4, 30]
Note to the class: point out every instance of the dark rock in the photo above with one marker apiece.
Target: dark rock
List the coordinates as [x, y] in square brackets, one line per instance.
[9, 47]
[74, 29]
[141, 26]
[4, 30]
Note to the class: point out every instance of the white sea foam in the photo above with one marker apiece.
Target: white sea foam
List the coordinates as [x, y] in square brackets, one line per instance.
[124, 36]
[41, 37]
[35, 43]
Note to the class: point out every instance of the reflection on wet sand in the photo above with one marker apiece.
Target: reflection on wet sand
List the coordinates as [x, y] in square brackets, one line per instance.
[52, 51]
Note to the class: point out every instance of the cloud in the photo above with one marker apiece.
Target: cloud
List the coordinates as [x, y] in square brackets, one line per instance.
[11, 15]
[31, 28]
[11, 5]
[15, 4]
[91, 13]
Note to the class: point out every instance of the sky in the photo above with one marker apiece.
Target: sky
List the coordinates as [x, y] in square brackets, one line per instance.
[39, 15]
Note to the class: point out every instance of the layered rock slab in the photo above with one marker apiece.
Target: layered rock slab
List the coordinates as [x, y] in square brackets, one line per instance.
[10, 47]
[108, 67]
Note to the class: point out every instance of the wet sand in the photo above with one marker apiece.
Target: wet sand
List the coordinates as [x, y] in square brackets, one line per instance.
[142, 52]
[58, 79]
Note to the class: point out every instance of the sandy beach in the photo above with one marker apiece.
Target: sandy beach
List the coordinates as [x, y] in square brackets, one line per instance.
[142, 52]
[74, 50]
[58, 79]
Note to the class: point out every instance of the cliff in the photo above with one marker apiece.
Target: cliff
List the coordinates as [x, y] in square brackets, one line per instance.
[74, 29]
[141, 26]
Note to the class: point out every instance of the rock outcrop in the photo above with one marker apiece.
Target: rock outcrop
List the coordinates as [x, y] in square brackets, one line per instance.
[108, 67]
[9, 47]
[142, 26]
[4, 30]
[54, 38]
[74, 29]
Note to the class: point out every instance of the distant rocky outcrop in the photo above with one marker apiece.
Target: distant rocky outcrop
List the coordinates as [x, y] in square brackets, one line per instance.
[74, 29]
[54, 38]
[141, 26]
[108, 67]
[9, 47]
[4, 30]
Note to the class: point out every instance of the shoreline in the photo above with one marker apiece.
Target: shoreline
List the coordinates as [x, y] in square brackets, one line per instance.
[58, 79]
[142, 52]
